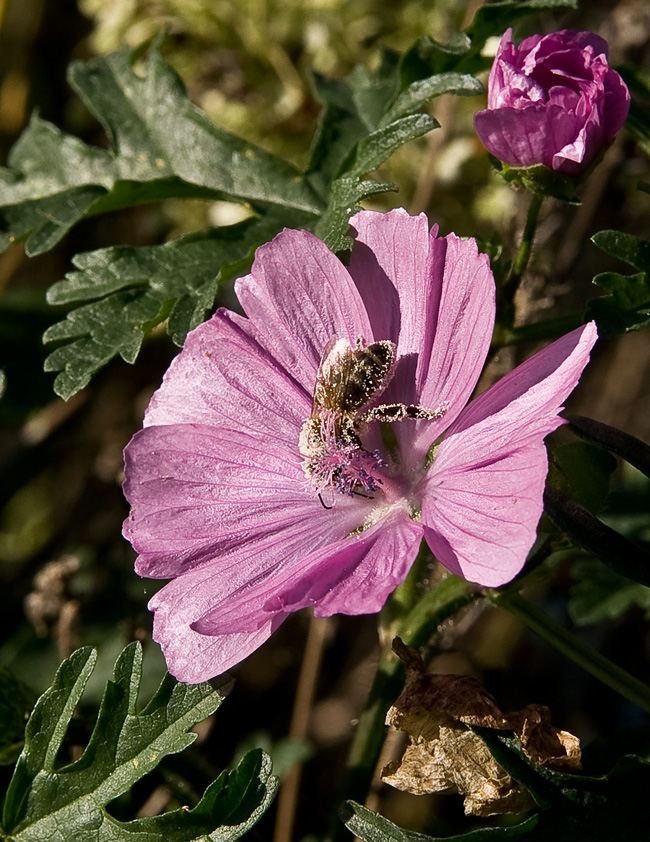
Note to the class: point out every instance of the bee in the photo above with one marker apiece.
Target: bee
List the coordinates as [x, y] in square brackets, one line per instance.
[350, 378]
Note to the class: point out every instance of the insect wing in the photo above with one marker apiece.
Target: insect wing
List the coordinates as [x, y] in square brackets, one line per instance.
[334, 370]
[350, 377]
[369, 375]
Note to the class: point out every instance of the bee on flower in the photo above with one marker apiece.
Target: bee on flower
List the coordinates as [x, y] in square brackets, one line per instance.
[297, 457]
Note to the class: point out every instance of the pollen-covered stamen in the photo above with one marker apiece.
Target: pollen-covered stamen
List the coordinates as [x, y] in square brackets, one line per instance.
[332, 461]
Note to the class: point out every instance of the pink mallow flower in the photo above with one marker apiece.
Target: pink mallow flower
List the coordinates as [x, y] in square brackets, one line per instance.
[264, 481]
[553, 100]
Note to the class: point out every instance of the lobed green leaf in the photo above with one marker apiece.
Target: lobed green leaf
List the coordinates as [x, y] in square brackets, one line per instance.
[134, 289]
[418, 93]
[371, 151]
[47, 801]
[345, 195]
[627, 307]
[162, 146]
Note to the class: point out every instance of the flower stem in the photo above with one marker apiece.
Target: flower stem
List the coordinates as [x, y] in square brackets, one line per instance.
[511, 284]
[549, 329]
[437, 605]
[570, 646]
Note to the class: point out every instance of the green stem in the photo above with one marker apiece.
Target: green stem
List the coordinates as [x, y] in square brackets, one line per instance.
[549, 329]
[526, 246]
[566, 643]
[510, 286]
[437, 605]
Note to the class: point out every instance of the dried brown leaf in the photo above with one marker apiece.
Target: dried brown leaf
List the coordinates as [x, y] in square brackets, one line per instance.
[445, 755]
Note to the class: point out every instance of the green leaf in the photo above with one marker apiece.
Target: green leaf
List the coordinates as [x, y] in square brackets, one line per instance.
[345, 195]
[162, 146]
[367, 117]
[582, 471]
[371, 151]
[627, 307]
[493, 18]
[352, 109]
[133, 289]
[602, 594]
[16, 701]
[572, 807]
[49, 802]
[586, 531]
[428, 57]
[625, 247]
[371, 827]
[418, 93]
[43, 221]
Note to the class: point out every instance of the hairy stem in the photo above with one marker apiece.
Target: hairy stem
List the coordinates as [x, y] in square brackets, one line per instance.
[507, 292]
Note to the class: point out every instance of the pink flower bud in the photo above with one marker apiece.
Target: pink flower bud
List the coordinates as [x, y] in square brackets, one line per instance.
[553, 100]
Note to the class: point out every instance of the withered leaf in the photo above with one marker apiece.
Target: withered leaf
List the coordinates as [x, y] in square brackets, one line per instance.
[445, 755]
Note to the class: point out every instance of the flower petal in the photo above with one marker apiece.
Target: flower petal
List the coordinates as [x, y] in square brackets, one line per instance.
[482, 495]
[391, 267]
[191, 656]
[481, 519]
[203, 495]
[553, 100]
[434, 297]
[354, 575]
[225, 377]
[526, 137]
[299, 295]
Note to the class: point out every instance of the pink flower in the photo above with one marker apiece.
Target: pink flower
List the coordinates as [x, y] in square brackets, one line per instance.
[553, 100]
[258, 498]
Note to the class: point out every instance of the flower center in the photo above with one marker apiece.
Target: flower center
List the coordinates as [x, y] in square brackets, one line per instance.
[350, 378]
[334, 457]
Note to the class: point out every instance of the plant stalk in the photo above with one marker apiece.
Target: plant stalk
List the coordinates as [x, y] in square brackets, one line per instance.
[507, 291]
[584, 656]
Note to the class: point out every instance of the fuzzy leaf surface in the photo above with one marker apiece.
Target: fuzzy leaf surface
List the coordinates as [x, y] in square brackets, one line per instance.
[48, 801]
[367, 117]
[162, 146]
[347, 192]
[131, 290]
